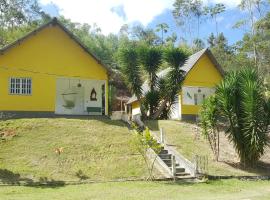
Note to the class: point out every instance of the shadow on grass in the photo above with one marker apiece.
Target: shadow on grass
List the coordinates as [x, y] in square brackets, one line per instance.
[8, 177]
[262, 168]
[181, 182]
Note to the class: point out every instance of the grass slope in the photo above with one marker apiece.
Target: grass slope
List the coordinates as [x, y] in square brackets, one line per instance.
[186, 139]
[96, 149]
[213, 190]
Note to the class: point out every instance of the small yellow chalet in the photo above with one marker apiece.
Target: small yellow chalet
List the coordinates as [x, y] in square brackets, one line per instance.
[202, 74]
[49, 71]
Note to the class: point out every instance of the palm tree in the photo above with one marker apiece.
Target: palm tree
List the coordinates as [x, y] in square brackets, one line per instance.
[241, 101]
[170, 86]
[214, 11]
[209, 123]
[163, 27]
[129, 63]
[150, 59]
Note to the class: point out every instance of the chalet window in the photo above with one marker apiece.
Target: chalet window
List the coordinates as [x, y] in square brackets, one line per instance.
[21, 86]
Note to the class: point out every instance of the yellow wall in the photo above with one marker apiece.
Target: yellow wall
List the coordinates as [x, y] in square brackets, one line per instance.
[49, 51]
[203, 74]
[135, 107]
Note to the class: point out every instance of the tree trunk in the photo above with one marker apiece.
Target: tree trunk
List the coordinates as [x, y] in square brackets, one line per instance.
[160, 109]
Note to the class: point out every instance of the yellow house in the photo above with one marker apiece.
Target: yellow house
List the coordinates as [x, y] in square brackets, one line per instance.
[49, 72]
[202, 74]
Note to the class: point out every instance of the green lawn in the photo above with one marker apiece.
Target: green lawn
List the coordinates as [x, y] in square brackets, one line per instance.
[185, 138]
[95, 149]
[213, 190]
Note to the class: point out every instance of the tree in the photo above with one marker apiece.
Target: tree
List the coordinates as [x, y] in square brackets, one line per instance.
[241, 102]
[163, 91]
[182, 14]
[185, 11]
[150, 59]
[144, 35]
[170, 40]
[171, 84]
[209, 123]
[129, 62]
[198, 11]
[163, 27]
[261, 41]
[14, 13]
[211, 40]
[198, 45]
[252, 6]
[18, 18]
[225, 54]
[142, 142]
[214, 11]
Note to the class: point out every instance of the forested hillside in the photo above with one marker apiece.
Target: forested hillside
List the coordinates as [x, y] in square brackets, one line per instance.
[19, 17]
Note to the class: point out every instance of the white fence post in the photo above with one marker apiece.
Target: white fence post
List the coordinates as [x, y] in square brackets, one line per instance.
[173, 166]
[161, 136]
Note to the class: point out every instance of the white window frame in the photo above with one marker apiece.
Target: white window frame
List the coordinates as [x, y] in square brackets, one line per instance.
[20, 86]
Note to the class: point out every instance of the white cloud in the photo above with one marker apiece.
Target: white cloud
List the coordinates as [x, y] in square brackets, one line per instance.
[104, 14]
[100, 11]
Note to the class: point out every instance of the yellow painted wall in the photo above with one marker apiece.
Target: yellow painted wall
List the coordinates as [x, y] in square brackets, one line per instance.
[135, 107]
[203, 74]
[49, 51]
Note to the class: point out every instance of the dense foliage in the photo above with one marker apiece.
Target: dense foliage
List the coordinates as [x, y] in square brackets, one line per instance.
[157, 100]
[242, 105]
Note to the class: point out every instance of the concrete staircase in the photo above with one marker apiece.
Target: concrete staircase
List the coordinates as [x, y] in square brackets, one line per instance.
[179, 172]
[169, 161]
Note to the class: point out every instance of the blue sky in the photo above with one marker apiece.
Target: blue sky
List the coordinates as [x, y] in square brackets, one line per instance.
[225, 25]
[110, 15]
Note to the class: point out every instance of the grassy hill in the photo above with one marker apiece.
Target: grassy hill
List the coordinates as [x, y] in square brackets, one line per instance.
[95, 149]
[187, 139]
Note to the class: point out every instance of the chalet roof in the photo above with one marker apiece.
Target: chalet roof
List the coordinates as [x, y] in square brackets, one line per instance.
[188, 65]
[54, 22]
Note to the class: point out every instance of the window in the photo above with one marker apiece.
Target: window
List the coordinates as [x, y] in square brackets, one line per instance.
[22, 86]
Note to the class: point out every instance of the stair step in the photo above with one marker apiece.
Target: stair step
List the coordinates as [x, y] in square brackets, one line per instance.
[164, 151]
[181, 174]
[167, 160]
[170, 164]
[179, 169]
[186, 178]
[165, 156]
